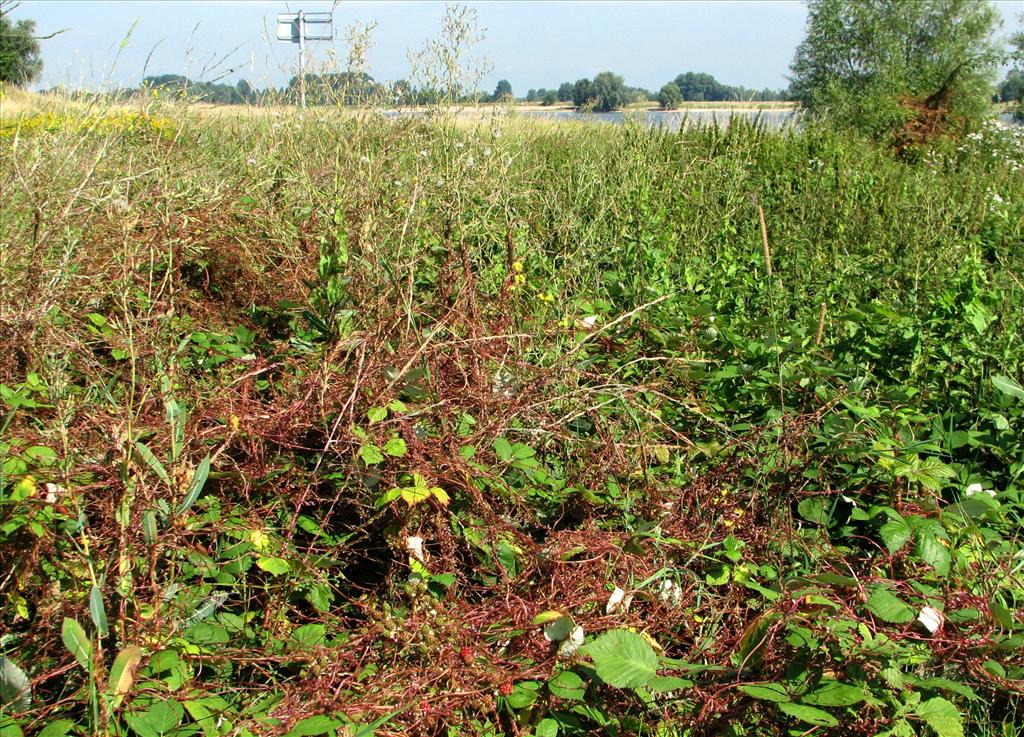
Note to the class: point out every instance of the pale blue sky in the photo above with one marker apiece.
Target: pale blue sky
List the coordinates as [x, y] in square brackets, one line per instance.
[532, 44]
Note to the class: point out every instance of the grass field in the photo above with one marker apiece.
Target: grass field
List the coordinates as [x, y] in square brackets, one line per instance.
[321, 424]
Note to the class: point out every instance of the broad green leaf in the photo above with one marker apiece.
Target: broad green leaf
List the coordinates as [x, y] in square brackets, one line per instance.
[886, 606]
[415, 494]
[1008, 386]
[97, 611]
[503, 449]
[160, 718]
[9, 728]
[154, 464]
[567, 685]
[809, 714]
[395, 447]
[941, 716]
[274, 566]
[895, 534]
[774, 692]
[199, 477]
[77, 642]
[57, 728]
[834, 693]
[377, 414]
[370, 454]
[934, 553]
[309, 635]
[14, 685]
[309, 726]
[623, 659]
[663, 684]
[546, 728]
[122, 671]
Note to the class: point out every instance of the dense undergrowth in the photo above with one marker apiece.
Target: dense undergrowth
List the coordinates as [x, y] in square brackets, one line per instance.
[323, 424]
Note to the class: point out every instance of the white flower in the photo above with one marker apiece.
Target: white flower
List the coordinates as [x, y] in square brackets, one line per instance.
[487, 151]
[670, 592]
[588, 322]
[424, 154]
[618, 600]
[414, 545]
[364, 159]
[54, 492]
[931, 618]
[979, 489]
[251, 161]
[470, 162]
[572, 643]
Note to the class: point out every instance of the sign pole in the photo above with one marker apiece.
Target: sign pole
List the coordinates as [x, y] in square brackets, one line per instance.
[302, 58]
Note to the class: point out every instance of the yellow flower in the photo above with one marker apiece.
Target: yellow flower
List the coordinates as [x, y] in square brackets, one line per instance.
[517, 266]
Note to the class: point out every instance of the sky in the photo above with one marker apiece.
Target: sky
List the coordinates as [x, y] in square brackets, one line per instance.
[532, 44]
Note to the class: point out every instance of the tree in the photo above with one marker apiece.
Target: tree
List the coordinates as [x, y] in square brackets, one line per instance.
[1017, 54]
[20, 63]
[609, 92]
[531, 96]
[549, 98]
[582, 93]
[896, 67]
[670, 97]
[503, 91]
[565, 92]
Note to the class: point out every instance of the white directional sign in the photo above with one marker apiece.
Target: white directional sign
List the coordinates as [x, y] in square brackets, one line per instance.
[298, 28]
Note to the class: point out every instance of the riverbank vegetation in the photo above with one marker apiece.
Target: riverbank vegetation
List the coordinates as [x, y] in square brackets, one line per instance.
[509, 429]
[336, 422]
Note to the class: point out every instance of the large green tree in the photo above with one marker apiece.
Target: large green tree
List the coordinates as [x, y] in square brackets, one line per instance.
[20, 63]
[883, 66]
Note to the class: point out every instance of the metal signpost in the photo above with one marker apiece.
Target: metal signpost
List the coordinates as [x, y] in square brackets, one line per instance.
[298, 28]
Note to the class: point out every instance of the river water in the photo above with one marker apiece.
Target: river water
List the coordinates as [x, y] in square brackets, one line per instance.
[675, 119]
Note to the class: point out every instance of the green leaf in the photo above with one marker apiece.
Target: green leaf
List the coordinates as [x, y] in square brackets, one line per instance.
[415, 494]
[503, 449]
[623, 659]
[14, 685]
[809, 714]
[567, 685]
[834, 693]
[895, 534]
[1008, 386]
[377, 414]
[154, 464]
[941, 716]
[547, 616]
[97, 611]
[199, 477]
[8, 727]
[395, 447]
[77, 642]
[274, 566]
[813, 510]
[774, 692]
[546, 728]
[370, 454]
[57, 728]
[663, 684]
[933, 552]
[160, 718]
[321, 724]
[886, 606]
[310, 635]
[320, 596]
